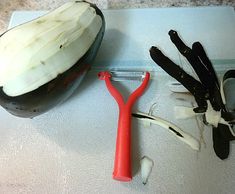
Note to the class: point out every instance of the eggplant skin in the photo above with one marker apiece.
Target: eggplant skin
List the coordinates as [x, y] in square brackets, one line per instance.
[57, 90]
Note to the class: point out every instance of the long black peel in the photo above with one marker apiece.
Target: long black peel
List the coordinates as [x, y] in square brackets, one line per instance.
[200, 52]
[220, 143]
[212, 81]
[194, 86]
[229, 74]
[202, 66]
[208, 88]
[189, 55]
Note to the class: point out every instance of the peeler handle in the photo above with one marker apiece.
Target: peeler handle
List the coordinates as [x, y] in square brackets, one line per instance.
[122, 163]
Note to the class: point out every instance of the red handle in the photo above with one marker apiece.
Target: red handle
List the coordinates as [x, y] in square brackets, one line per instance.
[122, 164]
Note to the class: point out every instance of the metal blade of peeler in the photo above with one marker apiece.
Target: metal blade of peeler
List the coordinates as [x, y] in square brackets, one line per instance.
[124, 75]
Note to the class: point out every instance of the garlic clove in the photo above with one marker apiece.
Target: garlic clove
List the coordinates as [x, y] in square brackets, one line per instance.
[146, 165]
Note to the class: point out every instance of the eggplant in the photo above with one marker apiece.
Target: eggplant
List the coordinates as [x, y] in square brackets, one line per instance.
[42, 62]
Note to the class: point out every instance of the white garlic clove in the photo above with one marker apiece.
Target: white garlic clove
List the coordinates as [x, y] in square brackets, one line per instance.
[146, 165]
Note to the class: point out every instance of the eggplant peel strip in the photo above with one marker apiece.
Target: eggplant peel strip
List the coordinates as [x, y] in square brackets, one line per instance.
[183, 136]
[207, 91]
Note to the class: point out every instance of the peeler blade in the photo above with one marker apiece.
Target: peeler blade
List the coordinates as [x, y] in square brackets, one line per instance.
[124, 75]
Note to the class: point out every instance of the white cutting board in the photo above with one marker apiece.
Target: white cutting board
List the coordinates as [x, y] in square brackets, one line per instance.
[70, 149]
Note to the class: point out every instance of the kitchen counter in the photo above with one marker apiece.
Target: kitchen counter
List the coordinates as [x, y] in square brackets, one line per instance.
[70, 149]
[7, 7]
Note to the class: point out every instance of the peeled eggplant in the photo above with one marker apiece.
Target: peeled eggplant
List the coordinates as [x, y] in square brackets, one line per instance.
[43, 61]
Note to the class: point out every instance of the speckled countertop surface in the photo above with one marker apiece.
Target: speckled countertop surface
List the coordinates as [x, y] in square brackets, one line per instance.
[7, 7]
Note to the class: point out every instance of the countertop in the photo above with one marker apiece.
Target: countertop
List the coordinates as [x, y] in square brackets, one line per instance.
[70, 149]
[7, 7]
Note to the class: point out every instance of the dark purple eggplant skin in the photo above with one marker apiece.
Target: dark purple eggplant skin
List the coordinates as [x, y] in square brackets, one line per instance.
[57, 90]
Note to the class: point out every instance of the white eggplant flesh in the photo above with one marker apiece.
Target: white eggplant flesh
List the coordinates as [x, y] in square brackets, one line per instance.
[36, 52]
[45, 50]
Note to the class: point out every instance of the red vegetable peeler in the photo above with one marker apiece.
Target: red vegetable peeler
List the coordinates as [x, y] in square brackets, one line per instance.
[122, 164]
